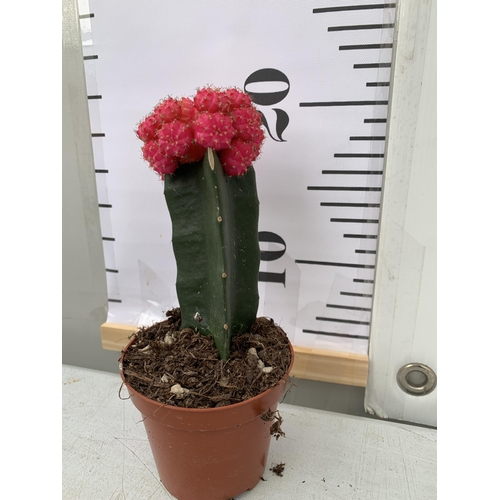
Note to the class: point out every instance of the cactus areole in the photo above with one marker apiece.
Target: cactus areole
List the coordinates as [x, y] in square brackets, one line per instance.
[204, 149]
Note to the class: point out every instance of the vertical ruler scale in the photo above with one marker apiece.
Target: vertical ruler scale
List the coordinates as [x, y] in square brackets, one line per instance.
[320, 77]
[98, 136]
[351, 187]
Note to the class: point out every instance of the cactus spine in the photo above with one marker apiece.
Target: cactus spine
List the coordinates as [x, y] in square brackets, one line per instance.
[215, 242]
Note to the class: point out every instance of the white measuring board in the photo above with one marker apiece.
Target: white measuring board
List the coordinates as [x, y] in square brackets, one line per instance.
[319, 72]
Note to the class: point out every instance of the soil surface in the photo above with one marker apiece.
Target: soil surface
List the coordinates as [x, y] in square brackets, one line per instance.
[182, 367]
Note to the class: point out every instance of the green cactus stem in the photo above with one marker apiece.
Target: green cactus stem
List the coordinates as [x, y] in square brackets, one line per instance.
[215, 243]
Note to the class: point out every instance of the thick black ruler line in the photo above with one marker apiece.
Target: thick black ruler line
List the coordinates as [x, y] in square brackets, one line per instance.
[371, 65]
[334, 334]
[361, 27]
[356, 221]
[353, 294]
[370, 252]
[377, 84]
[101, 171]
[98, 134]
[367, 138]
[89, 58]
[352, 172]
[350, 308]
[366, 46]
[356, 280]
[340, 320]
[343, 188]
[115, 300]
[364, 236]
[107, 238]
[91, 97]
[346, 204]
[375, 120]
[335, 264]
[105, 205]
[358, 155]
[343, 8]
[111, 270]
[86, 16]
[342, 103]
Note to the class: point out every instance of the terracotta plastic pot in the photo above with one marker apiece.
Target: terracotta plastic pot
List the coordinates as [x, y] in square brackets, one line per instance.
[209, 454]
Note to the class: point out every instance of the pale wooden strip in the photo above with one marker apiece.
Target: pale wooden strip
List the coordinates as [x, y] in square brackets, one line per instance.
[312, 364]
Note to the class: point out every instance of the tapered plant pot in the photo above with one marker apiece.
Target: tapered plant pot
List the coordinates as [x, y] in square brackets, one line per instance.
[209, 454]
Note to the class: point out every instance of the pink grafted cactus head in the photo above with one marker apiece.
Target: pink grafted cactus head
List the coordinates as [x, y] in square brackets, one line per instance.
[187, 111]
[179, 131]
[160, 163]
[238, 99]
[236, 159]
[207, 99]
[247, 123]
[175, 138]
[213, 130]
[195, 153]
[146, 131]
[168, 110]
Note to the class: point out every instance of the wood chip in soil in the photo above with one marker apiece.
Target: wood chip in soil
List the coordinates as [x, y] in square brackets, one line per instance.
[182, 367]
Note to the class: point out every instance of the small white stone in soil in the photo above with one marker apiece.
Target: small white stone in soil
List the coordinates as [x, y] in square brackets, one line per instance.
[267, 369]
[260, 364]
[178, 389]
[253, 352]
[169, 339]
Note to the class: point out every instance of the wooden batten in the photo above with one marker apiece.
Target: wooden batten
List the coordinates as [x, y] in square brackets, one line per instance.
[312, 364]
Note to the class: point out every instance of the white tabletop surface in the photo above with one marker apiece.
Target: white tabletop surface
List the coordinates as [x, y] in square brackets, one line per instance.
[327, 455]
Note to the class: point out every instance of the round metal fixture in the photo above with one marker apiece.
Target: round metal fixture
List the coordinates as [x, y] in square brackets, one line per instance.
[416, 379]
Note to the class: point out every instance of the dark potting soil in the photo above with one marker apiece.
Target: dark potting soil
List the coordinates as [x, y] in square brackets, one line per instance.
[182, 367]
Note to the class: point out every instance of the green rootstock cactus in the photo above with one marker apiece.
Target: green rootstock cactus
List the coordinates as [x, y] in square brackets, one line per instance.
[204, 149]
[215, 240]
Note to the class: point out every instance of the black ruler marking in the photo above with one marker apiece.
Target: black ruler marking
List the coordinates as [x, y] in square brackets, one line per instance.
[361, 27]
[360, 221]
[377, 84]
[86, 16]
[370, 252]
[358, 155]
[366, 46]
[107, 238]
[339, 320]
[371, 65]
[342, 204]
[352, 172]
[336, 264]
[115, 300]
[111, 270]
[342, 103]
[353, 308]
[365, 236]
[101, 171]
[334, 334]
[375, 120]
[88, 58]
[343, 188]
[90, 97]
[356, 280]
[367, 138]
[353, 294]
[98, 134]
[105, 205]
[354, 7]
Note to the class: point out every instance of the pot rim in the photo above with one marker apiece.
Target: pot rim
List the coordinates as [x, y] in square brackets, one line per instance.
[180, 409]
